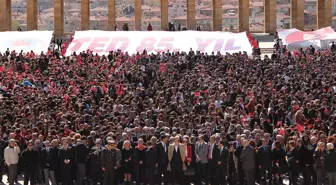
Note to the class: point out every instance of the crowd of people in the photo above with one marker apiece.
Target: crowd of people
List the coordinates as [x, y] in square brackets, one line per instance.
[169, 117]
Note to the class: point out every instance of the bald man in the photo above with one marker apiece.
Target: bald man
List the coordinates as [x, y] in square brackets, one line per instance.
[247, 157]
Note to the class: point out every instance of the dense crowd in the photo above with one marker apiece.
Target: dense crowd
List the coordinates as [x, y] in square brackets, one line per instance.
[169, 117]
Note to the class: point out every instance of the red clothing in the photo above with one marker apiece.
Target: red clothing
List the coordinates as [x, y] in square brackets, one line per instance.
[149, 28]
[189, 154]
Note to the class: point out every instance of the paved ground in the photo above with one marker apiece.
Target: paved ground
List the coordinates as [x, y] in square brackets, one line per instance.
[21, 181]
[286, 182]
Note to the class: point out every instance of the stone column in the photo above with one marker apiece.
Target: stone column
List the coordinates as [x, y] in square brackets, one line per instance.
[324, 13]
[59, 17]
[191, 15]
[243, 15]
[138, 15]
[8, 10]
[111, 16]
[85, 14]
[297, 14]
[32, 19]
[6, 15]
[329, 13]
[164, 15]
[217, 15]
[270, 16]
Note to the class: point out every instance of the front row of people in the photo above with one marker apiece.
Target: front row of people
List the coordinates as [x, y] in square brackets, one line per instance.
[215, 162]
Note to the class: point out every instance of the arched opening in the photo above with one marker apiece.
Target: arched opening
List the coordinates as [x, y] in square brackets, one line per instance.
[72, 16]
[334, 14]
[151, 14]
[125, 10]
[204, 14]
[310, 14]
[177, 14]
[19, 15]
[230, 15]
[257, 19]
[283, 14]
[98, 15]
[45, 14]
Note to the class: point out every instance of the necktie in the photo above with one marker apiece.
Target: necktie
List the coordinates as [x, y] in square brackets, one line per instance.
[221, 151]
[210, 152]
[265, 148]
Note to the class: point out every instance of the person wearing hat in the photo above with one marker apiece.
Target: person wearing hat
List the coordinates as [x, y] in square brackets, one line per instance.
[110, 161]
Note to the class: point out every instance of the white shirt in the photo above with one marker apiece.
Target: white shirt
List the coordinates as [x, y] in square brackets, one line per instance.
[211, 150]
[11, 155]
[176, 148]
[164, 146]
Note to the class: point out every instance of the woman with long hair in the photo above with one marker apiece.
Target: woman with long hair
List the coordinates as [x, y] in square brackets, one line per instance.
[127, 161]
[292, 157]
[279, 161]
[319, 157]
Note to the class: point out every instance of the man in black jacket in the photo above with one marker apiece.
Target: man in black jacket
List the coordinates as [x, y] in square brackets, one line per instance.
[162, 159]
[238, 150]
[39, 165]
[150, 163]
[221, 157]
[330, 166]
[213, 148]
[110, 161]
[95, 156]
[305, 161]
[65, 154]
[49, 155]
[2, 150]
[81, 155]
[264, 160]
[29, 157]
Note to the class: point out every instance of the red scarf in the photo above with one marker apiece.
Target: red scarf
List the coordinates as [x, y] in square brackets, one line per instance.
[141, 148]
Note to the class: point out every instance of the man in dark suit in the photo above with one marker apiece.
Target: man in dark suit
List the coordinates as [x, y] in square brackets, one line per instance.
[248, 162]
[65, 154]
[151, 164]
[305, 161]
[162, 159]
[201, 153]
[48, 155]
[29, 157]
[110, 161]
[238, 150]
[211, 162]
[91, 139]
[2, 150]
[264, 160]
[39, 166]
[81, 155]
[95, 156]
[221, 157]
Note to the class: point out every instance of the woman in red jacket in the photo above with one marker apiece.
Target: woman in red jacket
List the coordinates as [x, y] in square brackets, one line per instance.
[188, 160]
